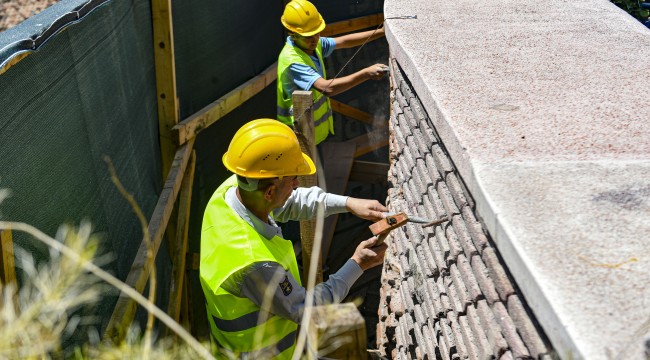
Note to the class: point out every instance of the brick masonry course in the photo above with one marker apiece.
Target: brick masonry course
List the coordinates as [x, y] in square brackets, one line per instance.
[453, 298]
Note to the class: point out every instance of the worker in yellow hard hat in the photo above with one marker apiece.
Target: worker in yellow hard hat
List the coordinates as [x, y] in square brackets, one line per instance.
[248, 272]
[301, 66]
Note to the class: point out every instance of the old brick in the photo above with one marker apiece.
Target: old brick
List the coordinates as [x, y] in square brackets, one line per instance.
[482, 342]
[396, 111]
[407, 296]
[525, 327]
[468, 338]
[437, 253]
[419, 143]
[396, 304]
[430, 342]
[420, 318]
[498, 274]
[434, 296]
[405, 331]
[429, 135]
[459, 285]
[454, 245]
[401, 100]
[443, 245]
[436, 204]
[506, 356]
[427, 256]
[454, 295]
[457, 190]
[411, 118]
[444, 296]
[432, 168]
[409, 158]
[405, 266]
[461, 349]
[419, 186]
[441, 159]
[463, 236]
[492, 328]
[475, 229]
[447, 335]
[484, 281]
[473, 289]
[399, 140]
[422, 173]
[447, 199]
[509, 331]
[443, 347]
[425, 260]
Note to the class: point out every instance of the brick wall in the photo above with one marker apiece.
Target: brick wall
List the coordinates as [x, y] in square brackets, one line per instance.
[445, 292]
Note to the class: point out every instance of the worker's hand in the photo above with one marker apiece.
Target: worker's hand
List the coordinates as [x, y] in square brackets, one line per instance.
[369, 255]
[371, 210]
[376, 71]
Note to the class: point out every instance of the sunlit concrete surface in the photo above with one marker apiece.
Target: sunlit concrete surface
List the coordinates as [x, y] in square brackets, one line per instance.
[543, 107]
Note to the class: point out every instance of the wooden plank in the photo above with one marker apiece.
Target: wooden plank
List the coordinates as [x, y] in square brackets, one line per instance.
[139, 274]
[190, 127]
[369, 172]
[370, 141]
[304, 124]
[180, 249]
[351, 25]
[163, 40]
[337, 324]
[337, 164]
[7, 266]
[351, 112]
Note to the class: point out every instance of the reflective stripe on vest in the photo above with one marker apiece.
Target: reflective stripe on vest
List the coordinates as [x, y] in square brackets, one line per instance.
[323, 120]
[229, 244]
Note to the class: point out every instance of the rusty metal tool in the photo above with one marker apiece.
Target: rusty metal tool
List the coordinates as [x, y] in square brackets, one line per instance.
[382, 227]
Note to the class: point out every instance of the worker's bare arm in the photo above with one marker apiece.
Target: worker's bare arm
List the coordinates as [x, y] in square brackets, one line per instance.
[339, 85]
[356, 39]
[371, 210]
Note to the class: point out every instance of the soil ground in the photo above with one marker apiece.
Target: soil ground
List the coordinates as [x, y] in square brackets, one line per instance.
[13, 12]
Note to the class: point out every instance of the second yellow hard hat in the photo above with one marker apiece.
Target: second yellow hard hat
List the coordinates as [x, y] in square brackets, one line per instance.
[301, 17]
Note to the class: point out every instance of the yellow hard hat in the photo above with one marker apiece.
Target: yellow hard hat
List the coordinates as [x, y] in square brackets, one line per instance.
[301, 17]
[266, 148]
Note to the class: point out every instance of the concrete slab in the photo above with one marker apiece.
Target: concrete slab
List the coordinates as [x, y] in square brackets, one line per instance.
[543, 109]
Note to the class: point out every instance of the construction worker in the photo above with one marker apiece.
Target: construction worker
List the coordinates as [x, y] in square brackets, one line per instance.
[248, 272]
[301, 66]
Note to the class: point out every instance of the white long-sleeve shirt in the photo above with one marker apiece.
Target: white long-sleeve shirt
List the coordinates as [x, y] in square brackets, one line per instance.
[288, 297]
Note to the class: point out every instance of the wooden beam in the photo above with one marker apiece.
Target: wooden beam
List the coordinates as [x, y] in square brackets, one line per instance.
[139, 274]
[180, 249]
[7, 266]
[190, 127]
[351, 25]
[304, 124]
[340, 324]
[369, 141]
[163, 41]
[351, 112]
[13, 61]
[369, 172]
[337, 163]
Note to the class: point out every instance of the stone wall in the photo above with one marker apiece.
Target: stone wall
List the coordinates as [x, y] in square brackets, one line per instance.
[446, 294]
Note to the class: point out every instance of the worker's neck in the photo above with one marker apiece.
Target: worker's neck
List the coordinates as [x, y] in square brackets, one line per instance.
[254, 204]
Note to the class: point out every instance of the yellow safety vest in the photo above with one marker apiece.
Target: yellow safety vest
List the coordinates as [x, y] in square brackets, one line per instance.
[323, 121]
[229, 244]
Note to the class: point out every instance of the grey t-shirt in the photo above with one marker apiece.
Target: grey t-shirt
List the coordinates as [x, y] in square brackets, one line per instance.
[286, 298]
